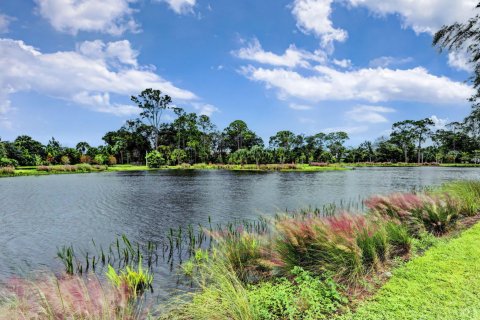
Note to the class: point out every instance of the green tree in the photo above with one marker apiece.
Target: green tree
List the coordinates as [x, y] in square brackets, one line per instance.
[403, 133]
[256, 153]
[155, 159]
[178, 156]
[152, 105]
[335, 143]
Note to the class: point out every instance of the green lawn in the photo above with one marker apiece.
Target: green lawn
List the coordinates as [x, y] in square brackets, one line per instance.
[443, 284]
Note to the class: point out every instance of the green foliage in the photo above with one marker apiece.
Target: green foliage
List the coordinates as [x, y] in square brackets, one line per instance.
[178, 156]
[306, 297]
[155, 159]
[5, 162]
[136, 281]
[100, 159]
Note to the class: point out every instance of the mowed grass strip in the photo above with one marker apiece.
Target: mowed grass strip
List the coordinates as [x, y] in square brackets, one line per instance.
[442, 284]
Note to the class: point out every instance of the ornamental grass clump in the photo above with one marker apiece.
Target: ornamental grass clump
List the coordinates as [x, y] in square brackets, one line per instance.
[67, 297]
[7, 170]
[346, 245]
[436, 214]
[467, 193]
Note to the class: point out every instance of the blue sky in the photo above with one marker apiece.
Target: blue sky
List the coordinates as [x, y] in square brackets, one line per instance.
[69, 67]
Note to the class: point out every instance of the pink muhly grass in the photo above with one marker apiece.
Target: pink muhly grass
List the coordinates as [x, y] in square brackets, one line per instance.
[65, 298]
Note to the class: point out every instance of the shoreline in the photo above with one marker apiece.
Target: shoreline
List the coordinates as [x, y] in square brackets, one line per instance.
[32, 171]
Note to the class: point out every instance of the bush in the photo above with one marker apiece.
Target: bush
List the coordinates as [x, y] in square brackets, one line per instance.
[155, 159]
[65, 160]
[99, 159]
[112, 160]
[7, 171]
[5, 162]
[307, 297]
[85, 159]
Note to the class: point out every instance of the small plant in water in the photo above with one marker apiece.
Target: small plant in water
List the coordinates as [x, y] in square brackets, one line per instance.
[134, 281]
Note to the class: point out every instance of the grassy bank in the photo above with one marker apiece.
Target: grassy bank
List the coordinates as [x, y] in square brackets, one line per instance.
[82, 168]
[442, 284]
[403, 164]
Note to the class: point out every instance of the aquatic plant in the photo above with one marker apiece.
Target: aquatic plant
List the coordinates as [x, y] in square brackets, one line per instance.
[135, 282]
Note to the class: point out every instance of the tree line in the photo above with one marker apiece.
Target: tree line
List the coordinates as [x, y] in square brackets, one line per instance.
[192, 138]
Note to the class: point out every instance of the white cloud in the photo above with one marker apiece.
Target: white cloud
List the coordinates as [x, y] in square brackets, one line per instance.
[5, 23]
[386, 61]
[422, 15]
[89, 76]
[439, 123]
[300, 107]
[347, 129]
[205, 108]
[369, 114]
[118, 52]
[180, 6]
[372, 85]
[108, 16]
[344, 63]
[313, 16]
[460, 60]
[292, 57]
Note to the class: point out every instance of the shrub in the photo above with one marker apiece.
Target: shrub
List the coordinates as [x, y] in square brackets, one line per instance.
[5, 162]
[155, 159]
[307, 297]
[65, 160]
[7, 170]
[85, 159]
[99, 159]
[112, 160]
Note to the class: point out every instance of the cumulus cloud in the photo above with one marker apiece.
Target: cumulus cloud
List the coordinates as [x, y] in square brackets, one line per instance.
[347, 129]
[108, 16]
[5, 23]
[89, 76]
[300, 107]
[460, 60]
[369, 114]
[180, 6]
[439, 123]
[370, 84]
[344, 63]
[205, 108]
[386, 61]
[292, 57]
[313, 16]
[421, 15]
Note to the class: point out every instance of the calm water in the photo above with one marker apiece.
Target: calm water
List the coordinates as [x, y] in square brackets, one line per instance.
[39, 214]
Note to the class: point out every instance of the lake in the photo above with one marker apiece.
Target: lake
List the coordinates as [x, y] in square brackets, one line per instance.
[40, 214]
